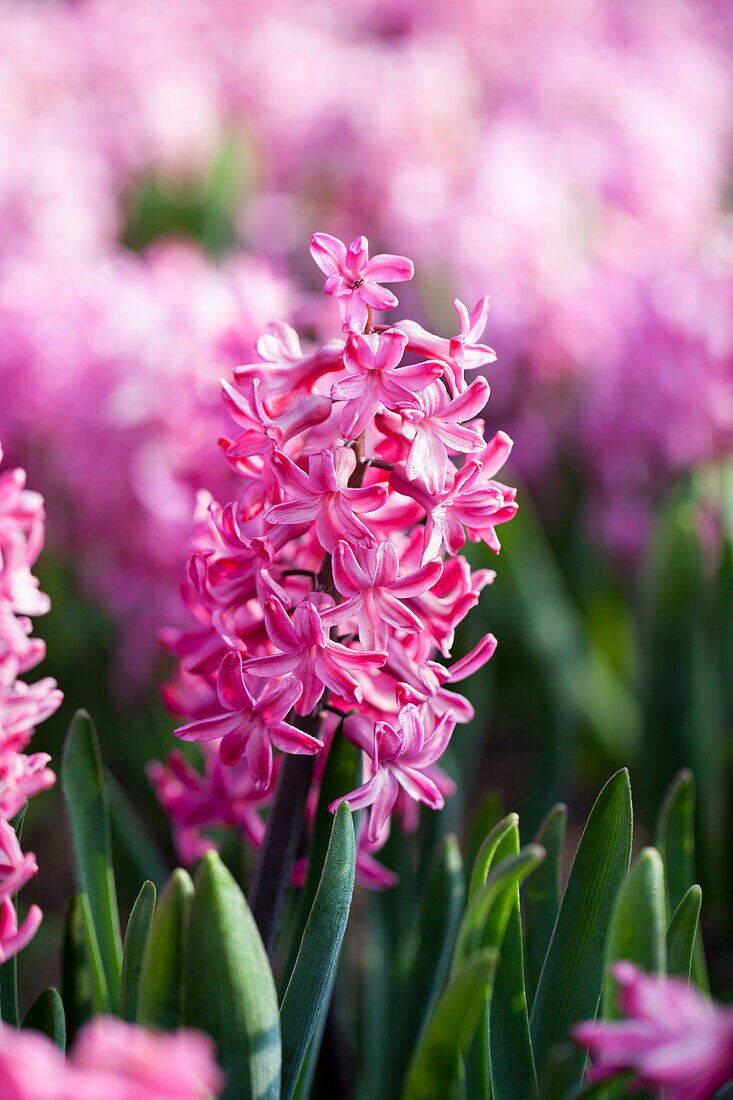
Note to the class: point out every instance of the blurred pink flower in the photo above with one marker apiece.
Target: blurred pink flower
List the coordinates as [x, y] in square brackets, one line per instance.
[672, 1037]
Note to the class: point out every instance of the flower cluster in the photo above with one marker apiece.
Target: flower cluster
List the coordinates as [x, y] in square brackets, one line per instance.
[324, 591]
[22, 706]
[672, 1038]
[116, 1060]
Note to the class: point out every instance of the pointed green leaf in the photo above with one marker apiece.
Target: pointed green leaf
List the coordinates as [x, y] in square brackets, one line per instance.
[309, 989]
[159, 994]
[488, 910]
[676, 844]
[136, 937]
[87, 813]
[488, 814]
[9, 1009]
[511, 1059]
[342, 773]
[487, 852]
[436, 1067]
[542, 895]
[682, 933]
[638, 926]
[570, 984]
[676, 837]
[46, 1015]
[228, 988]
[76, 977]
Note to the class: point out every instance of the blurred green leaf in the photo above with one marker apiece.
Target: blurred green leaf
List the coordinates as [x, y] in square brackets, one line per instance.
[159, 997]
[46, 1015]
[436, 1068]
[638, 925]
[682, 933]
[87, 813]
[76, 978]
[434, 941]
[575, 667]
[542, 895]
[228, 988]
[676, 844]
[136, 937]
[311, 982]
[487, 815]
[570, 984]
[131, 840]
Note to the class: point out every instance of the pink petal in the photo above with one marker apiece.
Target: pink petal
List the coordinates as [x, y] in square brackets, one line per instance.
[376, 296]
[328, 252]
[385, 268]
[277, 699]
[290, 739]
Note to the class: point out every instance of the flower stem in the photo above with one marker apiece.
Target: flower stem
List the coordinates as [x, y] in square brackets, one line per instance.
[279, 848]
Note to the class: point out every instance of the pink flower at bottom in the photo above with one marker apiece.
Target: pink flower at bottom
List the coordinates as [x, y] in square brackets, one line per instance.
[114, 1060]
[672, 1037]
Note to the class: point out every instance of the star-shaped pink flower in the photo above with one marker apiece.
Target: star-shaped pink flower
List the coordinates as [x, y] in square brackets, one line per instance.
[370, 580]
[323, 495]
[374, 379]
[307, 650]
[252, 725]
[353, 279]
[400, 759]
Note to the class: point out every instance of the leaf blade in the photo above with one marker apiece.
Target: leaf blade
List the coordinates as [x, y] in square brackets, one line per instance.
[308, 992]
[136, 937]
[228, 988]
[87, 814]
[160, 992]
[569, 987]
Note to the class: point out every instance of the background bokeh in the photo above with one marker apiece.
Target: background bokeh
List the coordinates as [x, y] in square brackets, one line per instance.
[162, 167]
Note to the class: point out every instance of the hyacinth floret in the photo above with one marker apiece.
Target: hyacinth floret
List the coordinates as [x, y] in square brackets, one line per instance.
[327, 592]
[23, 706]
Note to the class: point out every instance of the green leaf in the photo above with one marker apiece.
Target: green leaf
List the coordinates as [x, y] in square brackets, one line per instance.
[511, 1059]
[676, 837]
[309, 989]
[542, 894]
[9, 1008]
[484, 925]
[487, 852]
[46, 1015]
[487, 815]
[87, 813]
[488, 910]
[228, 988]
[436, 1067]
[136, 937]
[341, 774]
[134, 848]
[575, 667]
[681, 934]
[76, 977]
[159, 994]
[570, 984]
[676, 844]
[638, 926]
